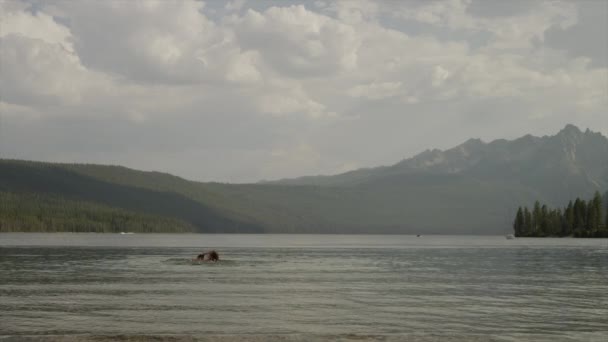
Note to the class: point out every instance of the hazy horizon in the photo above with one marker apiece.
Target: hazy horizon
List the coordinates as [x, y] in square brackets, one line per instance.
[244, 91]
[285, 178]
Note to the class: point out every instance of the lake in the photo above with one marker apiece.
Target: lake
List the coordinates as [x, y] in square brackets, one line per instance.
[135, 287]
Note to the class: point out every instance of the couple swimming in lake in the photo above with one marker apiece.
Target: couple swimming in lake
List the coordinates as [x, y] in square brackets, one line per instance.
[207, 256]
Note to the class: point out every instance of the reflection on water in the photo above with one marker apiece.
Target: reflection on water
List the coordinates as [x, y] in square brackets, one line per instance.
[304, 287]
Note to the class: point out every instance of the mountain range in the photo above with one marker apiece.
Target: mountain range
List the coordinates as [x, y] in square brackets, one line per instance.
[473, 188]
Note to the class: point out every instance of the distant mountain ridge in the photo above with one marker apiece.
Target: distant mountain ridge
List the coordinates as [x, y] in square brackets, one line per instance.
[473, 188]
[579, 159]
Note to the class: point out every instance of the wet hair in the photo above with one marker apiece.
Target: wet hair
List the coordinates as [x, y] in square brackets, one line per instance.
[214, 256]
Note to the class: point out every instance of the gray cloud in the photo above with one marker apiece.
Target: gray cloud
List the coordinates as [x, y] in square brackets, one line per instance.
[498, 8]
[588, 37]
[299, 42]
[263, 90]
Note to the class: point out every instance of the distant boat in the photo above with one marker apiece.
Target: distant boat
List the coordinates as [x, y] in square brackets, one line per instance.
[510, 237]
[126, 233]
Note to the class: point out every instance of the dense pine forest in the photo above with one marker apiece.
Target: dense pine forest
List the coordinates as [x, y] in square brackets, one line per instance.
[48, 213]
[46, 197]
[579, 219]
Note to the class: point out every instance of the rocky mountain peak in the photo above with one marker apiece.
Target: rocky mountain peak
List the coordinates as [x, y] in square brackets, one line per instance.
[571, 133]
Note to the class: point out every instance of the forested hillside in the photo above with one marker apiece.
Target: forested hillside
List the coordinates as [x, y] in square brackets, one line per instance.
[474, 188]
[61, 182]
[49, 213]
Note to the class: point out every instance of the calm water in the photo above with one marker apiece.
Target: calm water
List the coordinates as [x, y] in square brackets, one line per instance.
[303, 288]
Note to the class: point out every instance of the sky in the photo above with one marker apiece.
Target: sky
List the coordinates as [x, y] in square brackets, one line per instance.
[242, 91]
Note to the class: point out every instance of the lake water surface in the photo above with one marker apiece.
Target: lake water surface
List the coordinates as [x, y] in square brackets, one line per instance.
[302, 288]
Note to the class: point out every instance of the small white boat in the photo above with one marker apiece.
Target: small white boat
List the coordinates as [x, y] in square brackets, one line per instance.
[510, 237]
[126, 233]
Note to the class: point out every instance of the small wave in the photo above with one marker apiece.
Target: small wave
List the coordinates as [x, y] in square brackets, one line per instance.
[177, 261]
[185, 261]
[307, 337]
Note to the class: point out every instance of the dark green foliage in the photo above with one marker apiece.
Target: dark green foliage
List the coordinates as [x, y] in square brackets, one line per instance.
[527, 220]
[48, 213]
[405, 200]
[536, 213]
[519, 224]
[568, 220]
[595, 212]
[63, 183]
[579, 219]
[405, 204]
[605, 201]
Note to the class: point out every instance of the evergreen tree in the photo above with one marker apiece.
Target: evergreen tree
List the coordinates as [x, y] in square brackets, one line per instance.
[51, 213]
[579, 218]
[518, 225]
[584, 215]
[527, 222]
[606, 223]
[536, 215]
[605, 210]
[568, 219]
[544, 221]
[595, 209]
[580, 214]
[556, 222]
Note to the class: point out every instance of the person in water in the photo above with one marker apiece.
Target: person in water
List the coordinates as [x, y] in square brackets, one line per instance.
[208, 256]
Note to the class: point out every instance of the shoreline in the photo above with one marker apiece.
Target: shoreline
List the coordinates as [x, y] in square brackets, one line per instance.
[306, 337]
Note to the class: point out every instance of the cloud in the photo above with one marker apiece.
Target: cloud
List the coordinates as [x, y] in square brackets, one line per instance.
[16, 19]
[519, 30]
[352, 11]
[37, 59]
[235, 5]
[37, 72]
[375, 91]
[586, 37]
[297, 42]
[156, 42]
[440, 75]
[285, 98]
[247, 90]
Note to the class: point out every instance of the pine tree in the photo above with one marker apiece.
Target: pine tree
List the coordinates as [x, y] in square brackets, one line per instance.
[605, 210]
[568, 219]
[580, 219]
[580, 214]
[556, 222]
[544, 221]
[536, 216]
[596, 211]
[518, 225]
[606, 223]
[527, 222]
[584, 215]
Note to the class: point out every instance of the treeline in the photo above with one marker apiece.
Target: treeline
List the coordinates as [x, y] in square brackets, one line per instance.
[579, 219]
[132, 191]
[50, 213]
